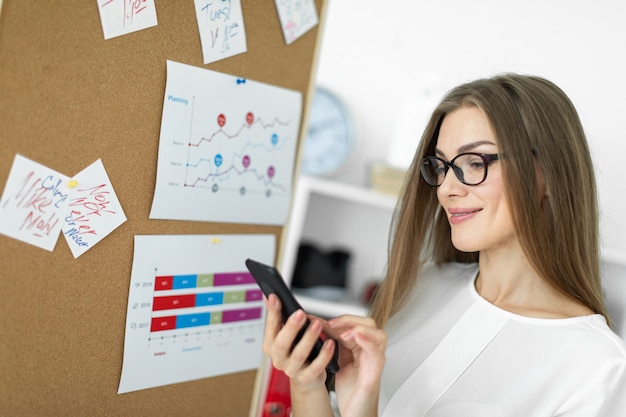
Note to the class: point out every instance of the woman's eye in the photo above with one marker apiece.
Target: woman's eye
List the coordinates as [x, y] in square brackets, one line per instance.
[477, 164]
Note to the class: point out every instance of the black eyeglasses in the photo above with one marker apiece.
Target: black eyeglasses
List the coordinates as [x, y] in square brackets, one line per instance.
[470, 168]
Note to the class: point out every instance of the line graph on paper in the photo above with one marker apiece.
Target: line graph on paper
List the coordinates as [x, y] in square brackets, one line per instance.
[239, 159]
[226, 149]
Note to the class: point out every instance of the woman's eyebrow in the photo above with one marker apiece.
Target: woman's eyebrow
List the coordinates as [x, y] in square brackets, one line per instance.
[468, 147]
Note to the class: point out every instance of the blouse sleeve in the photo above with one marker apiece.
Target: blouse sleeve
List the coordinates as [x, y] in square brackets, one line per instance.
[615, 404]
[603, 395]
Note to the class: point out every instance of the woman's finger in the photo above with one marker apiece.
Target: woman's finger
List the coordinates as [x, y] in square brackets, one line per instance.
[370, 334]
[347, 321]
[284, 340]
[299, 357]
[343, 328]
[273, 321]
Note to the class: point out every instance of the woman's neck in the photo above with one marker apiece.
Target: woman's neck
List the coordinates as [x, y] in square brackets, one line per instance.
[509, 282]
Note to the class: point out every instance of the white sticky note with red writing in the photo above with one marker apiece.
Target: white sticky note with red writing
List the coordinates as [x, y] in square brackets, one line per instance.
[93, 209]
[34, 203]
[120, 17]
[296, 17]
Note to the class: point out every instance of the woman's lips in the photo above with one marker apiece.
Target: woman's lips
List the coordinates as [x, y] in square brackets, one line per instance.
[460, 215]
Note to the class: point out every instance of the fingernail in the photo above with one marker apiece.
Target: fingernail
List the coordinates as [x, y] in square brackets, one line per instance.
[273, 300]
[299, 316]
[315, 326]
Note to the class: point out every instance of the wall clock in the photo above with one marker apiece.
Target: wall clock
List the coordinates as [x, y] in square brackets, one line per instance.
[331, 136]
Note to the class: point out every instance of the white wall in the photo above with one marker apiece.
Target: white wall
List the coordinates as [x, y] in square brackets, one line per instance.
[392, 61]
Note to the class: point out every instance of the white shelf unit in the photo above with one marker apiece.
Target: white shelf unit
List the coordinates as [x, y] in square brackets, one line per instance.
[333, 215]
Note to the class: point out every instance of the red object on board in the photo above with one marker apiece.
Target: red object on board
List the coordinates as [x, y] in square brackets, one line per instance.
[278, 400]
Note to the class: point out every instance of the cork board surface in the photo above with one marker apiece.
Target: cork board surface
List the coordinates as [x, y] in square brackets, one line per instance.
[68, 98]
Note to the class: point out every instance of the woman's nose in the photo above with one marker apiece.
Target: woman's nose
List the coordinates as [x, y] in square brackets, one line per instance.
[451, 185]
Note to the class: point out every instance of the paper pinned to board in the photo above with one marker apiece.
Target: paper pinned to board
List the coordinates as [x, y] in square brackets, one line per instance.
[194, 310]
[34, 203]
[39, 203]
[120, 17]
[297, 17]
[94, 210]
[222, 32]
[226, 149]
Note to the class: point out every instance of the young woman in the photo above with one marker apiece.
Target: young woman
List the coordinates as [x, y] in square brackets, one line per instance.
[492, 303]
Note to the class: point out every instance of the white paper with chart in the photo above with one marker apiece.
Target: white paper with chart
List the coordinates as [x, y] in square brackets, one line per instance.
[194, 310]
[226, 149]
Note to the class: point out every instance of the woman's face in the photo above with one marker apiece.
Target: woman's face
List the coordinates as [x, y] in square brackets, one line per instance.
[479, 215]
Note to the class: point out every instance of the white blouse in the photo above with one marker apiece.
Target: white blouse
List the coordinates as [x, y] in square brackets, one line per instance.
[451, 353]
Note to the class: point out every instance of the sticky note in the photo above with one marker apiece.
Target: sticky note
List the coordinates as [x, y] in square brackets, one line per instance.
[93, 211]
[33, 204]
[120, 17]
[296, 17]
[222, 32]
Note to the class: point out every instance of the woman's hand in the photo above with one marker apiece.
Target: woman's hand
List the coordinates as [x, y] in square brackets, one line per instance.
[278, 342]
[361, 361]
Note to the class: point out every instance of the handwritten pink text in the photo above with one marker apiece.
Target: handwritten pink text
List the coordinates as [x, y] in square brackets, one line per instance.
[85, 204]
[40, 198]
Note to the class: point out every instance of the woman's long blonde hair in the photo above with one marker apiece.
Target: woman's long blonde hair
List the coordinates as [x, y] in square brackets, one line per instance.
[537, 125]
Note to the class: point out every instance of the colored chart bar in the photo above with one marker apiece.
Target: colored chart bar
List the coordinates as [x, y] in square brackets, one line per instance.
[174, 301]
[176, 282]
[241, 315]
[205, 280]
[234, 297]
[193, 320]
[254, 295]
[163, 323]
[184, 281]
[170, 302]
[191, 299]
[163, 283]
[204, 319]
[216, 317]
[233, 278]
[209, 299]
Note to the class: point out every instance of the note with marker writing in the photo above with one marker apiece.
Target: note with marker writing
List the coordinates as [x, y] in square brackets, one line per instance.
[297, 17]
[222, 32]
[94, 210]
[33, 203]
[120, 17]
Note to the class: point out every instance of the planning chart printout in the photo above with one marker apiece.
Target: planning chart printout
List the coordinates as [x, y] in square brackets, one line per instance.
[226, 149]
[194, 310]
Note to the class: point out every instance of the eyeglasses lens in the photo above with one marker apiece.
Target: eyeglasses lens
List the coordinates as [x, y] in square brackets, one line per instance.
[469, 168]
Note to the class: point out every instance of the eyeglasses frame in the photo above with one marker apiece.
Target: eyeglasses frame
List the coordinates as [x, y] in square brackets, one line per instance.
[486, 157]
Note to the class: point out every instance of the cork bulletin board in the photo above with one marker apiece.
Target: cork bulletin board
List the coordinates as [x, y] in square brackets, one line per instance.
[67, 98]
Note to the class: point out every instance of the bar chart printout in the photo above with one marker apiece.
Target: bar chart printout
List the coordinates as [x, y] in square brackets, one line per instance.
[186, 326]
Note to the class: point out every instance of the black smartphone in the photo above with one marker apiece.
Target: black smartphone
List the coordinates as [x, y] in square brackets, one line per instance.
[271, 282]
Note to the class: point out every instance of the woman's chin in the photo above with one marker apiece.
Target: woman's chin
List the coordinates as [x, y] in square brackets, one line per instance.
[465, 245]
